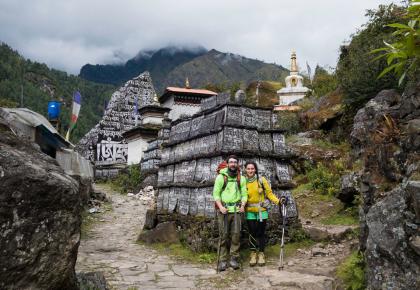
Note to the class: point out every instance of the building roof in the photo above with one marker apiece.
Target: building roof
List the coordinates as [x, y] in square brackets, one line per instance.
[26, 117]
[186, 92]
[153, 108]
[142, 130]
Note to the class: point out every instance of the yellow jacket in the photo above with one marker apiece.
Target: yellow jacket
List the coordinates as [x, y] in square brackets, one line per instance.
[256, 195]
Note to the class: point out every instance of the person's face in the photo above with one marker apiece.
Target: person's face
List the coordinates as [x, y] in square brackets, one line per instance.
[250, 170]
[232, 163]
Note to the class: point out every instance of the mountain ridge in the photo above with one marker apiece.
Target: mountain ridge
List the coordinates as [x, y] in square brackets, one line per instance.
[170, 66]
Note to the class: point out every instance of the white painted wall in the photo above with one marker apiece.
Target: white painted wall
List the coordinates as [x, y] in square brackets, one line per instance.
[180, 109]
[136, 148]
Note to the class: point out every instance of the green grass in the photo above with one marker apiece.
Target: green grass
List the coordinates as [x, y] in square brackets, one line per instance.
[289, 248]
[340, 220]
[89, 220]
[352, 272]
[181, 251]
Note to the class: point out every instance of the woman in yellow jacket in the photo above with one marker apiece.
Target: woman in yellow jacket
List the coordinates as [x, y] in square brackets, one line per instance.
[256, 214]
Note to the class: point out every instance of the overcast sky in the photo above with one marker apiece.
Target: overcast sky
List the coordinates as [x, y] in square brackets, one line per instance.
[68, 34]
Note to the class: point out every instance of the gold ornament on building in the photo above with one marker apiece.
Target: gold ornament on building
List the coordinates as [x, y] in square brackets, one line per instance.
[187, 83]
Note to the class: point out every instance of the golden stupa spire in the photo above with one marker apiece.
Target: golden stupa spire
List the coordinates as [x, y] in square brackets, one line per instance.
[155, 98]
[187, 83]
[293, 66]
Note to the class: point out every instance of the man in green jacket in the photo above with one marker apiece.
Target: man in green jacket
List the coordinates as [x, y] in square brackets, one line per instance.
[230, 195]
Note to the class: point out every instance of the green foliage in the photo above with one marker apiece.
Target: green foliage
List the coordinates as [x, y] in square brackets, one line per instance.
[403, 56]
[323, 82]
[289, 121]
[41, 84]
[8, 103]
[181, 251]
[323, 181]
[356, 69]
[128, 180]
[352, 272]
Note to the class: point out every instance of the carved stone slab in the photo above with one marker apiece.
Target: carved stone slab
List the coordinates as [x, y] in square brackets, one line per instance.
[266, 168]
[282, 171]
[210, 210]
[265, 142]
[165, 193]
[232, 139]
[196, 125]
[223, 98]
[264, 119]
[202, 170]
[159, 201]
[251, 141]
[208, 103]
[193, 201]
[291, 207]
[173, 198]
[234, 115]
[201, 201]
[207, 124]
[279, 143]
[184, 201]
[220, 118]
[249, 117]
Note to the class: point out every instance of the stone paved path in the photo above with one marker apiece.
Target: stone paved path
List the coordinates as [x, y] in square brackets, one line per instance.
[110, 247]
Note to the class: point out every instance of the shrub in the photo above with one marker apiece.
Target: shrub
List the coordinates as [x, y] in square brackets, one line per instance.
[323, 181]
[128, 180]
[352, 272]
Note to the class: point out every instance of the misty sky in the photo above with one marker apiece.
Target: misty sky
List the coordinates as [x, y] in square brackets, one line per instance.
[68, 34]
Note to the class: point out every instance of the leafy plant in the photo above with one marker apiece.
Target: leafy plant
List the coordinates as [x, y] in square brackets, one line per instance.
[128, 180]
[403, 55]
[323, 181]
[352, 272]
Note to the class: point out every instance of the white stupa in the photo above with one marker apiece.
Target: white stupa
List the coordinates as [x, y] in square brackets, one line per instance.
[294, 89]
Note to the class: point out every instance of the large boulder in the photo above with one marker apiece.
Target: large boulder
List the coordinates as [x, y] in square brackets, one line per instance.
[40, 218]
[386, 136]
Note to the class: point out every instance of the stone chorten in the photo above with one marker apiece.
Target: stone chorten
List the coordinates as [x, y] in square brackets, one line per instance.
[294, 89]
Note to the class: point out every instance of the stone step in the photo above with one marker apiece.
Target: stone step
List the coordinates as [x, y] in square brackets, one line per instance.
[293, 280]
[334, 233]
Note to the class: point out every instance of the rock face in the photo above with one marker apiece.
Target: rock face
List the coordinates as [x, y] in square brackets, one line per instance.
[104, 144]
[386, 135]
[40, 218]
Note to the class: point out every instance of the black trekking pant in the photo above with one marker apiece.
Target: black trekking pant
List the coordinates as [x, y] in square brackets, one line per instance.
[257, 234]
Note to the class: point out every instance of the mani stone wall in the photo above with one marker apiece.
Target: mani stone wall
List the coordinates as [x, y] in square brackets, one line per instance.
[104, 144]
[198, 144]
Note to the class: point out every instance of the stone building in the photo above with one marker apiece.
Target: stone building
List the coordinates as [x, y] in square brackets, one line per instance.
[294, 89]
[187, 160]
[105, 144]
[183, 101]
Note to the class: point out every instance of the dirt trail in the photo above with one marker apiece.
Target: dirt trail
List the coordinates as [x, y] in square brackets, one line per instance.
[110, 247]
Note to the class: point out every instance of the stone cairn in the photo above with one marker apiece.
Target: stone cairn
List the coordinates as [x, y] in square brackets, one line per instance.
[104, 144]
[192, 148]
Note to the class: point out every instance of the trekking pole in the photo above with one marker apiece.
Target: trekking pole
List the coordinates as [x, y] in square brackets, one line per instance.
[284, 215]
[220, 240]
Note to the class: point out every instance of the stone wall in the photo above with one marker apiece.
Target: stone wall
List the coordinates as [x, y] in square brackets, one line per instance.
[198, 144]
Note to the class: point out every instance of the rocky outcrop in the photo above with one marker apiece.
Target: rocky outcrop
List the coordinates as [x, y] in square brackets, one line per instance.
[386, 136]
[40, 218]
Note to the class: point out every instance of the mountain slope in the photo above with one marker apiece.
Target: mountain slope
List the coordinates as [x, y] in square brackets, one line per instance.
[158, 62]
[223, 68]
[41, 84]
[170, 66]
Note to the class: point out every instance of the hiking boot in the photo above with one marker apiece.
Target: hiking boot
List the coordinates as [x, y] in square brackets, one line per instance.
[234, 263]
[222, 266]
[253, 259]
[261, 259]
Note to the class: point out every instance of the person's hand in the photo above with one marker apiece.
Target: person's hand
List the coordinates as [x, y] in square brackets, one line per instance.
[242, 208]
[223, 210]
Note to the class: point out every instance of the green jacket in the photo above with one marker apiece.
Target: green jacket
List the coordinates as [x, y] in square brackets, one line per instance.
[231, 194]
